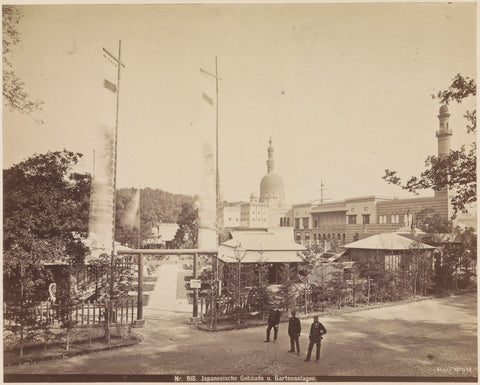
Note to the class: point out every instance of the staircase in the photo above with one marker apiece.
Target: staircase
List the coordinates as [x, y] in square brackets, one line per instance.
[169, 293]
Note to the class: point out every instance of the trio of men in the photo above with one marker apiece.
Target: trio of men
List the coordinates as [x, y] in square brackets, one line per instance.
[317, 330]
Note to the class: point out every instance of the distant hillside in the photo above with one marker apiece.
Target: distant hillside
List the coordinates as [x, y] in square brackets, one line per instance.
[155, 206]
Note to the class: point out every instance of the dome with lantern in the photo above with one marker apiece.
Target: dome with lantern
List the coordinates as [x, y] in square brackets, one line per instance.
[271, 185]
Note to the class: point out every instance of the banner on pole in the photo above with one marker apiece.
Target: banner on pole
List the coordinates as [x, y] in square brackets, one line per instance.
[101, 221]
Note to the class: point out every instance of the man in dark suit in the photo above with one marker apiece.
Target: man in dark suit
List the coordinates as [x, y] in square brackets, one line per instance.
[294, 330]
[273, 321]
[317, 330]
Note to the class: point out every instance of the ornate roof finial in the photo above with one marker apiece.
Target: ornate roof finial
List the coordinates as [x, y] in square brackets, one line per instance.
[270, 161]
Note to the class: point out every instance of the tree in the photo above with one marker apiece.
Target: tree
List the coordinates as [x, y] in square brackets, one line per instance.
[432, 223]
[45, 217]
[187, 233]
[45, 209]
[309, 262]
[14, 94]
[418, 268]
[337, 286]
[156, 206]
[457, 267]
[290, 290]
[456, 170]
[373, 270]
[455, 258]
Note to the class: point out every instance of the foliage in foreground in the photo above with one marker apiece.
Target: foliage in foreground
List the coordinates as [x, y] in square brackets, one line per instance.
[45, 219]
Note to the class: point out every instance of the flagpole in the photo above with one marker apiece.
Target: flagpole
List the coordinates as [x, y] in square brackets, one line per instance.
[119, 65]
[217, 174]
[217, 200]
[214, 312]
[139, 321]
[216, 151]
[116, 144]
[139, 218]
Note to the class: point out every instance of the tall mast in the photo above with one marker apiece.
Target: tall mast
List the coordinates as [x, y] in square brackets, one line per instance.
[216, 148]
[119, 65]
[217, 173]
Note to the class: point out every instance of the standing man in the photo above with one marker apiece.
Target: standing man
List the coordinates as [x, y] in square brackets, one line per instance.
[294, 329]
[273, 321]
[317, 330]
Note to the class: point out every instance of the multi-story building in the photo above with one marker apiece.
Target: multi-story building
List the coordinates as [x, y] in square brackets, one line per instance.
[355, 218]
[340, 221]
[229, 216]
[302, 221]
[253, 213]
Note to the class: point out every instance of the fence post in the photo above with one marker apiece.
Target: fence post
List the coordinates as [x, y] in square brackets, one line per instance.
[133, 307]
[140, 321]
[83, 305]
[195, 291]
[107, 321]
[88, 313]
[76, 312]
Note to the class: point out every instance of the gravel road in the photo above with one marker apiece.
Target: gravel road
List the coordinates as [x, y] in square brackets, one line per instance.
[433, 338]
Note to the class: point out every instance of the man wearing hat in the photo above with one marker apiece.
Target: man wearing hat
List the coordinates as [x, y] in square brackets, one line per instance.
[317, 330]
[273, 321]
[294, 329]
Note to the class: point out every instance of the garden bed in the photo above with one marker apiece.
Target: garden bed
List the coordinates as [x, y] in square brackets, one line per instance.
[32, 354]
[248, 322]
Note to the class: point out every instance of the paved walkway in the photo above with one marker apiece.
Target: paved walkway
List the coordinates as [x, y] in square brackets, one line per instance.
[164, 295]
[432, 338]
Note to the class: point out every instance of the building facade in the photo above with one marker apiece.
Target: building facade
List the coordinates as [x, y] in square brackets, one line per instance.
[342, 221]
[356, 218]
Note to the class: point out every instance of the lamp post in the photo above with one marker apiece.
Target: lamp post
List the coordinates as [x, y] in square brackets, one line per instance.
[239, 255]
[261, 267]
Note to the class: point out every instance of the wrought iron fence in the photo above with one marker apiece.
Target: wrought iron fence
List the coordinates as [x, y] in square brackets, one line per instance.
[88, 313]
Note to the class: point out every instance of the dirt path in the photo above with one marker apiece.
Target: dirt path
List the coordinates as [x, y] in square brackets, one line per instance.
[433, 338]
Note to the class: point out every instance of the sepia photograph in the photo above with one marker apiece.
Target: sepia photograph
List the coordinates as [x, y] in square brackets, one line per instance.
[239, 192]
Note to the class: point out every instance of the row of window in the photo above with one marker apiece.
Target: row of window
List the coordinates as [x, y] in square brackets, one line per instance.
[395, 218]
[243, 213]
[304, 222]
[319, 237]
[352, 219]
[311, 242]
[254, 219]
[392, 262]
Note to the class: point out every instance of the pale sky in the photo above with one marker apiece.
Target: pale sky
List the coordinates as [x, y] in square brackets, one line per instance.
[343, 89]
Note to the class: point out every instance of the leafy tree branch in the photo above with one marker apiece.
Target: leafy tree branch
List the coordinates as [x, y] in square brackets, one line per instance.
[456, 170]
[15, 96]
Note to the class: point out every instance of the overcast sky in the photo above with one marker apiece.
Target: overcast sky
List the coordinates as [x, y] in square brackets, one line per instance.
[343, 89]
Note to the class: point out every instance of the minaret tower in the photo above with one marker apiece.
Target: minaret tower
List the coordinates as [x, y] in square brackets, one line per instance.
[270, 161]
[272, 193]
[444, 134]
